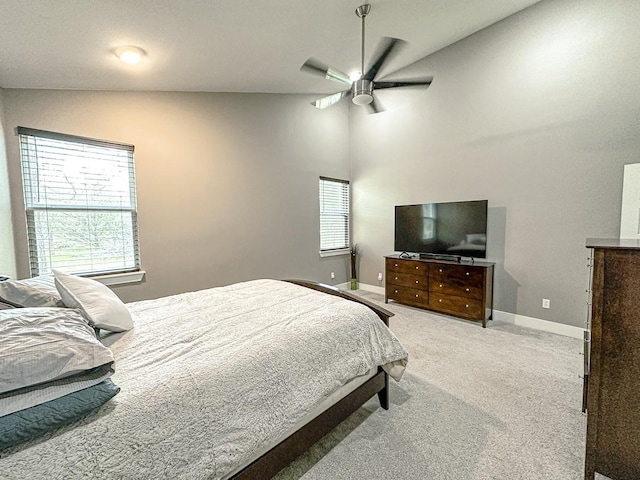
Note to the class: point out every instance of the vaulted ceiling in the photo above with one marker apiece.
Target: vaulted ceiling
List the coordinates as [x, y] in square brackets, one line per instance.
[219, 45]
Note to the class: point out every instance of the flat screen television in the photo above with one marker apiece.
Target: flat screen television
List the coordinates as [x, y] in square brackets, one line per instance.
[456, 229]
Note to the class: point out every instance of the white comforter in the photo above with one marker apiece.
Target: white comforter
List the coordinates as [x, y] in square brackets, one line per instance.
[209, 376]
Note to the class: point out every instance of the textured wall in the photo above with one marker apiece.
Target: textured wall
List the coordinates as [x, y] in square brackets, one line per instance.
[538, 114]
[227, 183]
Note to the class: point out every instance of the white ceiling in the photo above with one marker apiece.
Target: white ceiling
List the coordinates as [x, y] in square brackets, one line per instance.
[219, 45]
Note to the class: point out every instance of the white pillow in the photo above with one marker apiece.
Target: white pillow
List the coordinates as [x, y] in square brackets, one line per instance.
[99, 305]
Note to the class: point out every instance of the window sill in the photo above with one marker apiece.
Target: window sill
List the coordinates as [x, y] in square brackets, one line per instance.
[121, 278]
[333, 253]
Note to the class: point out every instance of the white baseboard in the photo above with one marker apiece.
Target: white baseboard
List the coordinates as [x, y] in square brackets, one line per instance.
[362, 286]
[538, 324]
[513, 318]
[371, 288]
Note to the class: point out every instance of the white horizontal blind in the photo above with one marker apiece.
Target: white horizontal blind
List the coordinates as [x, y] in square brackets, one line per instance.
[80, 201]
[334, 214]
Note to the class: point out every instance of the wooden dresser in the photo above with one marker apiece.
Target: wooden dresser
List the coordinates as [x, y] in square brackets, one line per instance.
[613, 395]
[463, 290]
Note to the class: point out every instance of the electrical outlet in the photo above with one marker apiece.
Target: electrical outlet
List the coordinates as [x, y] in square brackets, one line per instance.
[380, 276]
[333, 276]
[546, 303]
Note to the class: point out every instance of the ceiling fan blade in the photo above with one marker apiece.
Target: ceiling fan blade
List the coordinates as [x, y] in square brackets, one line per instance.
[424, 83]
[330, 100]
[316, 67]
[374, 107]
[387, 46]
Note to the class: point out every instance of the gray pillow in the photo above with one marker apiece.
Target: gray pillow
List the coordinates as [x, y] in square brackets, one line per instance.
[28, 424]
[31, 292]
[38, 345]
[33, 395]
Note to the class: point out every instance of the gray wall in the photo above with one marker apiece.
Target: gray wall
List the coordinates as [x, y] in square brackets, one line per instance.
[227, 183]
[7, 255]
[538, 114]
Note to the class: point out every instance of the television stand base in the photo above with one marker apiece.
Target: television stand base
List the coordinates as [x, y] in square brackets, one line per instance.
[454, 288]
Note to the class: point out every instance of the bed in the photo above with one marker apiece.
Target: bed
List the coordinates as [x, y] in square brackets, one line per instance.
[229, 382]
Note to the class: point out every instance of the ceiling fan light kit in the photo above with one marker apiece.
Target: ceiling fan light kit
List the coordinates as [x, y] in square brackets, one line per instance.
[362, 92]
[362, 89]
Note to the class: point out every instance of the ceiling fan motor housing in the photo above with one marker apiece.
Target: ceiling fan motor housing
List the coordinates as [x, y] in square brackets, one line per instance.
[362, 92]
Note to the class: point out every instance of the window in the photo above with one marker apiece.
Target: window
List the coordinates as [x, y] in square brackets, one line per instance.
[80, 201]
[334, 216]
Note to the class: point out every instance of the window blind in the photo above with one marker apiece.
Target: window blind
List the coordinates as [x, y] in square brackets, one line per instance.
[334, 214]
[80, 201]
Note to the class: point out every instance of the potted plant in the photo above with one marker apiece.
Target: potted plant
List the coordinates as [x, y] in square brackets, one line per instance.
[354, 256]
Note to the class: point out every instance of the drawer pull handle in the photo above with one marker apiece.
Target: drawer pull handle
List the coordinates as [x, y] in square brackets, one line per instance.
[467, 273]
[396, 278]
[467, 306]
[416, 281]
[439, 299]
[396, 264]
[395, 291]
[416, 296]
[417, 268]
[440, 285]
[466, 289]
[440, 270]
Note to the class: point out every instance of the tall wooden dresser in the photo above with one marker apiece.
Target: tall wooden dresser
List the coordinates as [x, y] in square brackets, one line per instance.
[613, 394]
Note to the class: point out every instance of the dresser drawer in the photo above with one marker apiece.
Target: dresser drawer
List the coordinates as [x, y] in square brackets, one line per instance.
[458, 306]
[407, 266]
[408, 296]
[407, 280]
[457, 274]
[464, 273]
[467, 290]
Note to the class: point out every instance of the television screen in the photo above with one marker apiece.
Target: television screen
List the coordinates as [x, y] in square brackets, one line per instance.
[452, 228]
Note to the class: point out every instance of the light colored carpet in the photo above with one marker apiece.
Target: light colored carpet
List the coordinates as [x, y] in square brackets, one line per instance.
[497, 403]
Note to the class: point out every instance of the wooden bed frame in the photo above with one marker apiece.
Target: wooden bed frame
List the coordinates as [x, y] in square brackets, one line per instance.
[301, 440]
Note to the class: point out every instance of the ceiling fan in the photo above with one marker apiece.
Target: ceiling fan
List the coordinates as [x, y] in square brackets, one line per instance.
[362, 89]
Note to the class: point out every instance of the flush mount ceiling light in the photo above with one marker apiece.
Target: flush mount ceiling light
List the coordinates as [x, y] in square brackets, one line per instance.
[129, 54]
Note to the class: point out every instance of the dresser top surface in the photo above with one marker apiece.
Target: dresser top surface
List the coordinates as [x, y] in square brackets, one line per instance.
[619, 243]
[465, 262]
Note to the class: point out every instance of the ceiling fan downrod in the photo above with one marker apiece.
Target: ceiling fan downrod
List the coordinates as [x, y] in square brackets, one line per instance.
[362, 88]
